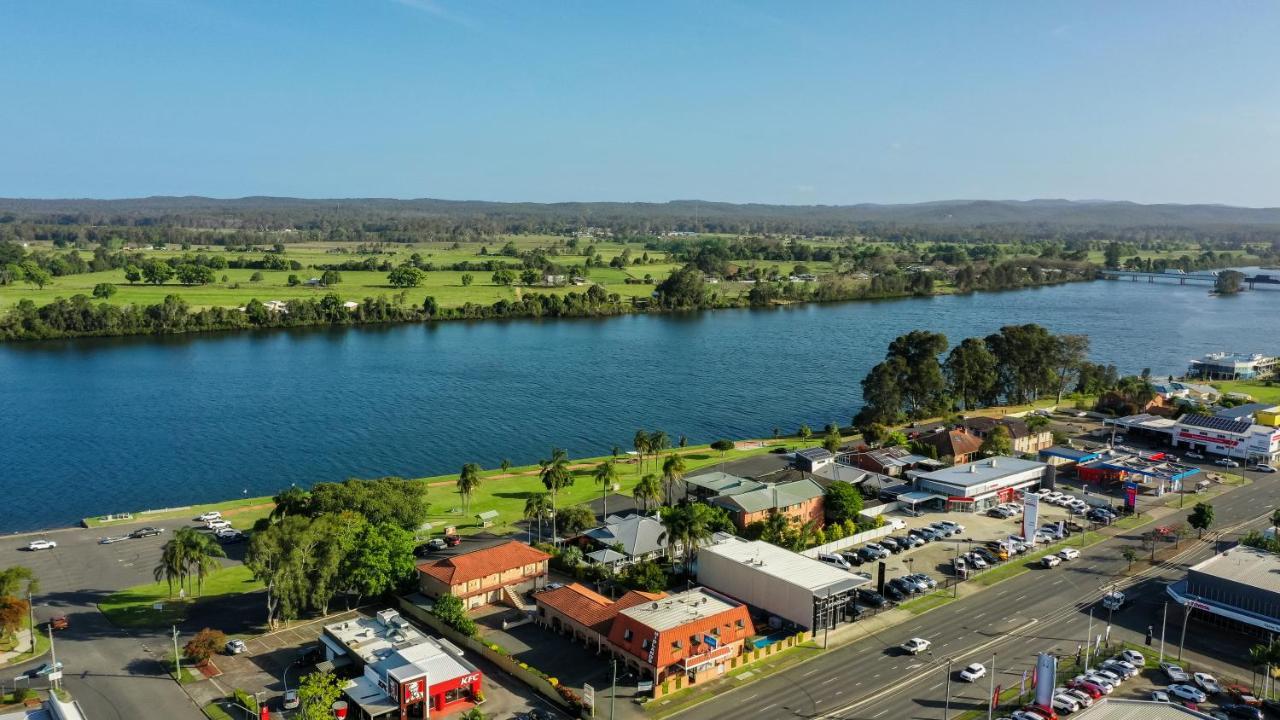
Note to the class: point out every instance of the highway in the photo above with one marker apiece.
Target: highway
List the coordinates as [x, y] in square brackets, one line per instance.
[1041, 610]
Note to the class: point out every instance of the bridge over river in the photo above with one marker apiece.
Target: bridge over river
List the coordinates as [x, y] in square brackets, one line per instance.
[1253, 282]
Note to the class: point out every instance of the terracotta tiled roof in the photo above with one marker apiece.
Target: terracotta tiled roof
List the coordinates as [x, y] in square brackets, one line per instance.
[482, 563]
[588, 608]
[956, 443]
[669, 637]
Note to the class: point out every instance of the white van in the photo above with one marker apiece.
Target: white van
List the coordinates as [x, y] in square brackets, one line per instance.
[835, 561]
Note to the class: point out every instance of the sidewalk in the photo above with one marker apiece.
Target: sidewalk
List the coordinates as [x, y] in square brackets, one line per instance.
[19, 651]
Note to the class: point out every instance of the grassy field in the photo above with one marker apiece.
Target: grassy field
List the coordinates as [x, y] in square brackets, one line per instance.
[135, 606]
[1260, 391]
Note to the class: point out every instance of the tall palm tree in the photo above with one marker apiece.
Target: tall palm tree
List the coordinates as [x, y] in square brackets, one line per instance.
[605, 474]
[686, 527]
[173, 561]
[659, 441]
[672, 473]
[202, 554]
[468, 481]
[536, 506]
[555, 475]
[647, 492]
[641, 444]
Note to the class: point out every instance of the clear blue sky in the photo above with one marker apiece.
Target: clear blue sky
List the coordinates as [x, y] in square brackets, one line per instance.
[786, 102]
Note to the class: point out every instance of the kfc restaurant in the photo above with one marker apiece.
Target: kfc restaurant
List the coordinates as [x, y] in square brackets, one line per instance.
[403, 673]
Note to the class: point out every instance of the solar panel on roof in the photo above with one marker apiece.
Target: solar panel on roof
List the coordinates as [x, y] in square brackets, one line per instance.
[1216, 423]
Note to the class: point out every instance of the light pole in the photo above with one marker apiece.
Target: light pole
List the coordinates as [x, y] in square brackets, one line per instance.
[286, 674]
[613, 687]
[1186, 614]
[53, 653]
[1163, 618]
[177, 659]
[1088, 639]
[991, 692]
[946, 709]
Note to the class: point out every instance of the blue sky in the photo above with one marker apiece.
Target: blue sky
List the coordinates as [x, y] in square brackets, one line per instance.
[787, 102]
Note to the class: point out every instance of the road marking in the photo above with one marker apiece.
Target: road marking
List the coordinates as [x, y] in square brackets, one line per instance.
[1059, 581]
[1020, 597]
[828, 681]
[913, 666]
[812, 672]
[979, 616]
[880, 713]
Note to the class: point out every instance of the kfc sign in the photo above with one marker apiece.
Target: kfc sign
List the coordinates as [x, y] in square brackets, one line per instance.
[468, 679]
[414, 691]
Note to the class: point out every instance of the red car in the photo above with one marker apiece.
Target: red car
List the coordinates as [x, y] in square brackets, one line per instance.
[1044, 712]
[1086, 687]
[59, 622]
[452, 540]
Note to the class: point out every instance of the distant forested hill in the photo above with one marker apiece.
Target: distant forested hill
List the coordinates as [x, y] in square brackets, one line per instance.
[262, 213]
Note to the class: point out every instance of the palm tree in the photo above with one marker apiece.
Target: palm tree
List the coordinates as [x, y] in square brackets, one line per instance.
[1259, 657]
[536, 506]
[647, 491]
[468, 481]
[173, 561]
[605, 474]
[555, 475]
[672, 472]
[687, 526]
[641, 444]
[202, 553]
[659, 441]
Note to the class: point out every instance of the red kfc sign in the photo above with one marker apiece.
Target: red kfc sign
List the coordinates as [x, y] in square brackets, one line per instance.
[414, 691]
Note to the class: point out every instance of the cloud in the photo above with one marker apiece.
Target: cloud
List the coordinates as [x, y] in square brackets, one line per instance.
[435, 9]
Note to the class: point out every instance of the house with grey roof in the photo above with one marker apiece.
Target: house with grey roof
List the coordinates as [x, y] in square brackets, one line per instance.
[625, 540]
[800, 500]
[709, 485]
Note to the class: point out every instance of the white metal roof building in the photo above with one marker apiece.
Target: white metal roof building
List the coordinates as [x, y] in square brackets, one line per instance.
[1115, 709]
[676, 610]
[796, 588]
[985, 482]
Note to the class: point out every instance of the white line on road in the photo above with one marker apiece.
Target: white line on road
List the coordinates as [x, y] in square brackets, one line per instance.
[828, 681]
[812, 672]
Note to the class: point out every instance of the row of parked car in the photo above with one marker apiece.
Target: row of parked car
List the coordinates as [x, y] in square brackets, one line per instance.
[890, 545]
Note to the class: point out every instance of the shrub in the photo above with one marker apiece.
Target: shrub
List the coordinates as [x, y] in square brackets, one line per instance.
[205, 645]
[245, 699]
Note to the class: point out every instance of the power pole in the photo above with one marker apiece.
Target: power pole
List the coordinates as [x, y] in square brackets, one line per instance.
[177, 659]
[946, 709]
[613, 687]
[1163, 618]
[991, 694]
[53, 653]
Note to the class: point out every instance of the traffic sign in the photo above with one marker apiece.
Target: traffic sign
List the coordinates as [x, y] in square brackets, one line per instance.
[589, 696]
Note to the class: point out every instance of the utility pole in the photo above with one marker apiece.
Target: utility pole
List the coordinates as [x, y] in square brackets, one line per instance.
[1088, 640]
[53, 654]
[1186, 614]
[613, 687]
[1163, 619]
[946, 709]
[177, 659]
[991, 692]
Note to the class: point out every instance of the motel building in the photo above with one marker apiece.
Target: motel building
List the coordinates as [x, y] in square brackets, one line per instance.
[403, 673]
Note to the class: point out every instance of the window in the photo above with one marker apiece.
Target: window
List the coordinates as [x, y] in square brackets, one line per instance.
[675, 644]
[740, 624]
[626, 635]
[693, 640]
[645, 644]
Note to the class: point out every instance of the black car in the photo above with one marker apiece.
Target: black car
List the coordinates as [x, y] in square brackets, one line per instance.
[871, 597]
[890, 544]
[145, 532]
[903, 586]
[868, 555]
[1241, 711]
[986, 555]
[231, 538]
[893, 593]
[908, 541]
[924, 534]
[852, 558]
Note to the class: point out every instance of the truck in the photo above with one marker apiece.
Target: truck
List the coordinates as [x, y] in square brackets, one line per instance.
[1113, 600]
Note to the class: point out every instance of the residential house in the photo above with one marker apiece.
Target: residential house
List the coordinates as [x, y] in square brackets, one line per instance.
[709, 485]
[800, 500]
[481, 577]
[1024, 439]
[890, 461]
[279, 306]
[625, 540]
[956, 443]
[810, 459]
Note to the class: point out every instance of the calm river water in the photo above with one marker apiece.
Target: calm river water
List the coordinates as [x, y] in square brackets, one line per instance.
[95, 426]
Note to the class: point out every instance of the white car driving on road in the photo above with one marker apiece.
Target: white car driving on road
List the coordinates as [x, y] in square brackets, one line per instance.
[41, 545]
[915, 646]
[973, 673]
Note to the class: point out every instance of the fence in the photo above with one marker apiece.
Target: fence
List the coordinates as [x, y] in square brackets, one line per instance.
[842, 543]
[748, 656]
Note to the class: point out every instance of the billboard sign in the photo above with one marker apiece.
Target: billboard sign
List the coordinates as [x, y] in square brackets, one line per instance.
[1046, 673]
[1030, 511]
[711, 640]
[589, 697]
[1131, 495]
[413, 691]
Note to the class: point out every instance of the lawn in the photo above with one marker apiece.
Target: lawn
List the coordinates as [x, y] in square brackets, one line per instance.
[243, 512]
[1260, 390]
[507, 492]
[136, 606]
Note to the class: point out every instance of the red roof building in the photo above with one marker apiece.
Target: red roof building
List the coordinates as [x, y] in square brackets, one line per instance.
[587, 615]
[485, 576]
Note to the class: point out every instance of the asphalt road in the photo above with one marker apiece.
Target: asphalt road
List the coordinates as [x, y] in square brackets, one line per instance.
[113, 673]
[1042, 610]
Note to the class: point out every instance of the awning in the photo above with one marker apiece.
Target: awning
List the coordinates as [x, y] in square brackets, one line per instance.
[334, 646]
[915, 498]
[1178, 591]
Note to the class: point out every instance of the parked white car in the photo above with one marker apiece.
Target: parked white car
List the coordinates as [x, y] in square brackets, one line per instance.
[1070, 554]
[1186, 692]
[1084, 698]
[1207, 683]
[1226, 462]
[1263, 468]
[1065, 704]
[41, 545]
[1134, 657]
[217, 524]
[211, 515]
[974, 672]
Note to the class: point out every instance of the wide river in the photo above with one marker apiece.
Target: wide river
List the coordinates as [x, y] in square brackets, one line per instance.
[105, 425]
